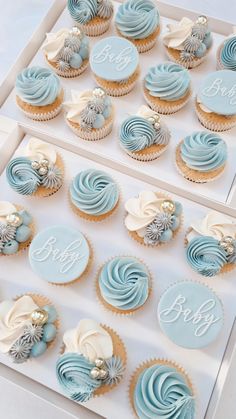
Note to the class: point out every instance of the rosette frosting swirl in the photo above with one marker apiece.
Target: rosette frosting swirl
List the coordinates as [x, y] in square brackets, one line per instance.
[167, 81]
[162, 392]
[124, 283]
[21, 177]
[73, 373]
[136, 133]
[206, 256]
[228, 53]
[204, 151]
[137, 19]
[94, 192]
[38, 86]
[82, 11]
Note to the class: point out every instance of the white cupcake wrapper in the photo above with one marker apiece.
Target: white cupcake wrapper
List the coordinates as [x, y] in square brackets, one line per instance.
[95, 30]
[189, 64]
[44, 116]
[72, 72]
[166, 110]
[213, 125]
[93, 135]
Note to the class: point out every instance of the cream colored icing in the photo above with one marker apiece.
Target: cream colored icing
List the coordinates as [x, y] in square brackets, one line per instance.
[142, 211]
[6, 208]
[78, 102]
[178, 33]
[215, 225]
[90, 340]
[146, 112]
[14, 315]
[54, 43]
[38, 150]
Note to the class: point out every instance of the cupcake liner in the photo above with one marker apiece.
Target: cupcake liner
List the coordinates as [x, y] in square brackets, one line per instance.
[97, 26]
[174, 55]
[118, 89]
[90, 217]
[219, 64]
[148, 154]
[163, 106]
[213, 121]
[41, 113]
[195, 175]
[95, 134]
[143, 45]
[43, 192]
[109, 307]
[71, 72]
[149, 363]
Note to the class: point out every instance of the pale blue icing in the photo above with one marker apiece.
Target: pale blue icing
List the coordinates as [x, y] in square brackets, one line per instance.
[190, 314]
[167, 81]
[136, 133]
[38, 86]
[137, 19]
[206, 256]
[82, 11]
[21, 177]
[163, 392]
[204, 151]
[114, 59]
[59, 254]
[218, 92]
[228, 54]
[124, 283]
[73, 374]
[94, 192]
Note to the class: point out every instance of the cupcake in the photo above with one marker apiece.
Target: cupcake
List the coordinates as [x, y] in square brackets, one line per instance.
[123, 284]
[201, 156]
[90, 114]
[167, 87]
[28, 327]
[182, 314]
[211, 244]
[139, 22]
[215, 103]
[187, 42]
[94, 195]
[39, 172]
[160, 388]
[152, 218]
[144, 136]
[67, 52]
[93, 17]
[16, 228]
[39, 94]
[114, 62]
[60, 255]
[226, 54]
[92, 362]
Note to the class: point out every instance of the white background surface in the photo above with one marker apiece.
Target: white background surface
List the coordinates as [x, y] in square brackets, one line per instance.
[13, 16]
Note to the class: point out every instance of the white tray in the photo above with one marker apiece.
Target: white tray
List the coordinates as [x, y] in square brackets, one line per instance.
[161, 171]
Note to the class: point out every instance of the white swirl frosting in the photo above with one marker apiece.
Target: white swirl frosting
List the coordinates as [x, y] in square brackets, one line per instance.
[14, 315]
[38, 150]
[215, 225]
[54, 43]
[78, 102]
[6, 208]
[178, 33]
[90, 340]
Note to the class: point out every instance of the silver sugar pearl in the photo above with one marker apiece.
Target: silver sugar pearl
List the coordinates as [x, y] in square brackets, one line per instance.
[43, 171]
[14, 219]
[151, 120]
[75, 31]
[157, 117]
[99, 362]
[157, 125]
[98, 92]
[35, 165]
[228, 239]
[103, 374]
[223, 244]
[44, 162]
[95, 372]
[168, 206]
[39, 317]
[230, 249]
[202, 20]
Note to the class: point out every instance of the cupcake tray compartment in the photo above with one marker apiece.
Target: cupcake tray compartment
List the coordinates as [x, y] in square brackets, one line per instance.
[140, 332]
[184, 122]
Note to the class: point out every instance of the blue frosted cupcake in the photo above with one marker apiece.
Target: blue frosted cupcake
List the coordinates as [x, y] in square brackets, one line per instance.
[94, 195]
[139, 22]
[226, 54]
[93, 17]
[201, 157]
[123, 284]
[167, 87]
[39, 94]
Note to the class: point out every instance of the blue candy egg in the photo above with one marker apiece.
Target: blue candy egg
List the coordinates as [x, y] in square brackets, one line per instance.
[10, 248]
[84, 42]
[38, 349]
[52, 313]
[107, 101]
[84, 52]
[49, 332]
[23, 233]
[175, 223]
[166, 235]
[99, 121]
[107, 112]
[26, 217]
[207, 40]
[75, 61]
[178, 208]
[201, 51]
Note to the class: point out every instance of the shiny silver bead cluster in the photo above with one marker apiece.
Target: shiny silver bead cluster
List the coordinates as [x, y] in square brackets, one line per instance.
[227, 243]
[41, 166]
[155, 120]
[99, 372]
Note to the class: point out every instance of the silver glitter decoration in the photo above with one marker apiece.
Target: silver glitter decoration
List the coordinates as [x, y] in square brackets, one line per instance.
[66, 54]
[20, 351]
[199, 31]
[62, 65]
[53, 178]
[191, 44]
[115, 370]
[7, 232]
[73, 42]
[186, 57]
[32, 333]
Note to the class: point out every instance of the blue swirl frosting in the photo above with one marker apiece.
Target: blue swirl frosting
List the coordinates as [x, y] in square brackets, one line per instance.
[124, 283]
[82, 11]
[38, 86]
[21, 177]
[204, 151]
[136, 133]
[228, 54]
[94, 192]
[162, 392]
[206, 256]
[73, 373]
[137, 19]
[167, 81]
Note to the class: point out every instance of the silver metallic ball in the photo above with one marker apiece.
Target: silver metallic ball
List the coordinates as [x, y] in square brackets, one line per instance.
[202, 20]
[98, 92]
[95, 373]
[223, 244]
[228, 239]
[35, 165]
[39, 317]
[157, 125]
[43, 171]
[99, 362]
[44, 162]
[103, 374]
[156, 117]
[151, 119]
[230, 249]
[75, 31]
[14, 219]
[168, 206]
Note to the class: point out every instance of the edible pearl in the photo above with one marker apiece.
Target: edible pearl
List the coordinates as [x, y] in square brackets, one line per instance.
[39, 317]
[228, 239]
[14, 219]
[35, 165]
[95, 372]
[151, 120]
[98, 92]
[168, 206]
[75, 31]
[102, 374]
[202, 20]
[44, 163]
[99, 362]
[230, 249]
[43, 171]
[156, 125]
